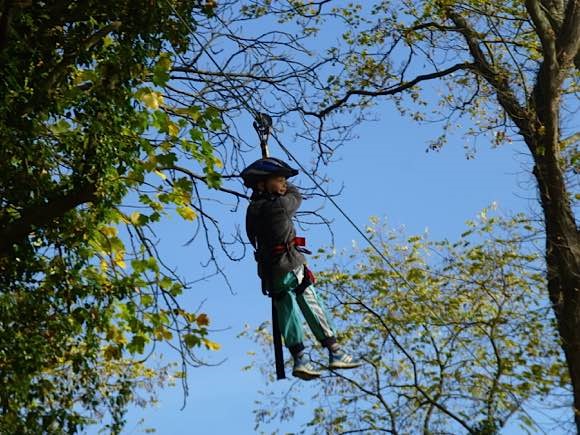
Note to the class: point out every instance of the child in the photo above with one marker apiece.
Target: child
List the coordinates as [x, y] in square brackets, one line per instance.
[282, 265]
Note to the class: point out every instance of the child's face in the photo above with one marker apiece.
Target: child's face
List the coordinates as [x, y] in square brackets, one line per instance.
[275, 185]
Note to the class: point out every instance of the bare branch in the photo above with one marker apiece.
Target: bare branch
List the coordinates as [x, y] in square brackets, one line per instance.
[391, 90]
[195, 176]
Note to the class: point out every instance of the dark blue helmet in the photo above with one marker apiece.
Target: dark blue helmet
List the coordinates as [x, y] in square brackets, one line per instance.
[266, 167]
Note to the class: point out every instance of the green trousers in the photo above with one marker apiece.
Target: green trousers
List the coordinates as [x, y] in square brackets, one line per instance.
[288, 304]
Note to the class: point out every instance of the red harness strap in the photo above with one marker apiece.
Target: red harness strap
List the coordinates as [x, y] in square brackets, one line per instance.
[296, 241]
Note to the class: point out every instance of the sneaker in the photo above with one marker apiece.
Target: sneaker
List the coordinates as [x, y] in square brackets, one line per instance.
[303, 369]
[342, 360]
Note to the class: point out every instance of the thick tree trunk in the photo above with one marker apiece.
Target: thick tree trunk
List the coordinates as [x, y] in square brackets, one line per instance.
[542, 135]
[557, 26]
[563, 263]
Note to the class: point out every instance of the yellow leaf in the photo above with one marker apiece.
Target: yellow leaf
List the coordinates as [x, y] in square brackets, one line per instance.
[120, 263]
[104, 265]
[161, 174]
[211, 345]
[167, 335]
[150, 163]
[152, 99]
[186, 213]
[173, 129]
[83, 76]
[162, 333]
[109, 231]
[164, 61]
[135, 217]
[108, 41]
[119, 259]
[218, 163]
[120, 338]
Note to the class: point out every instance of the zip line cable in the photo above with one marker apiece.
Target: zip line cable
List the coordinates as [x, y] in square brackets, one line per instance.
[342, 212]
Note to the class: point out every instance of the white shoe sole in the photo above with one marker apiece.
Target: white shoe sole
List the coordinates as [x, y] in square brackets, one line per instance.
[306, 376]
[342, 365]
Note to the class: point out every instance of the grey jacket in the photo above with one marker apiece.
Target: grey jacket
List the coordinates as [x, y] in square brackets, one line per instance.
[269, 223]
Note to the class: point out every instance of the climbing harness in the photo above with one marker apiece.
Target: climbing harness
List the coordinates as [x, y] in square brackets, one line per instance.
[308, 280]
[297, 242]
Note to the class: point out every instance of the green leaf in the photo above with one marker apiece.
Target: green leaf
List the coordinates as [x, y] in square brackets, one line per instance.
[137, 344]
[191, 340]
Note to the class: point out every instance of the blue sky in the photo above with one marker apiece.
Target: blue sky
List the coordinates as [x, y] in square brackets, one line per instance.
[387, 173]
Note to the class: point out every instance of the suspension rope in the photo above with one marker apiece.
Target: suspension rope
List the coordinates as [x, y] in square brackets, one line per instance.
[342, 212]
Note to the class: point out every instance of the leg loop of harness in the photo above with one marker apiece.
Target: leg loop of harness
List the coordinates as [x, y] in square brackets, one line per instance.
[307, 281]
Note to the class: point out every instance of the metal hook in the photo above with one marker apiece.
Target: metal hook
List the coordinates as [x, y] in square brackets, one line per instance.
[263, 126]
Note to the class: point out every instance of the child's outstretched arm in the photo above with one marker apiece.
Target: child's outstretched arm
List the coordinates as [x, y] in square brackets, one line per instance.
[291, 200]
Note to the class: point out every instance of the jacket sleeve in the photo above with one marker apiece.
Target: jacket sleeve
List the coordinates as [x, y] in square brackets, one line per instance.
[291, 201]
[251, 228]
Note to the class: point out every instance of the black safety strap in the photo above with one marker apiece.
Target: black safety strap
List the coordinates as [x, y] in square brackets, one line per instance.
[278, 350]
[276, 334]
[263, 126]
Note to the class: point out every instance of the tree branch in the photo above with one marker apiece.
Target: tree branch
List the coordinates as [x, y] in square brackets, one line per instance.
[494, 75]
[204, 179]
[544, 30]
[568, 43]
[69, 58]
[554, 9]
[391, 90]
[43, 214]
[6, 17]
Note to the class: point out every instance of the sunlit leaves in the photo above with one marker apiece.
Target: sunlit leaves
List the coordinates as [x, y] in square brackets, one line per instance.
[161, 69]
[211, 345]
[151, 99]
[383, 44]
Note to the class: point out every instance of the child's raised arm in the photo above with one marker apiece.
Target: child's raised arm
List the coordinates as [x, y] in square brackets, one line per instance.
[291, 200]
